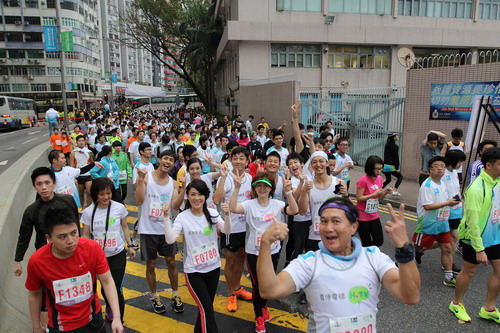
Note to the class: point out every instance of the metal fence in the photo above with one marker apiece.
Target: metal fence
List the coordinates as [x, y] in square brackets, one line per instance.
[365, 116]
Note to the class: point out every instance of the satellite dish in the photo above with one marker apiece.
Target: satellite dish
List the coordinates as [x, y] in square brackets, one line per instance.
[406, 57]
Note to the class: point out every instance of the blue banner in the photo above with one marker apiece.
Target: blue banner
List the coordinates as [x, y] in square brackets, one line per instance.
[453, 101]
[50, 32]
[114, 78]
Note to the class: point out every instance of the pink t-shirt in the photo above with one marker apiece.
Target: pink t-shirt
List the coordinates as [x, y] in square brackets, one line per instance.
[369, 185]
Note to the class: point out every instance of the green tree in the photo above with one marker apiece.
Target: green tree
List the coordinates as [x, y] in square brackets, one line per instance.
[184, 30]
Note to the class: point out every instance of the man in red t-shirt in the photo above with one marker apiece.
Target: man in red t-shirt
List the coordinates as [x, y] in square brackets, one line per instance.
[68, 267]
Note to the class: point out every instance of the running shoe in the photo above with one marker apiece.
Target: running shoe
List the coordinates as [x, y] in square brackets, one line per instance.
[265, 314]
[158, 306]
[302, 298]
[232, 305]
[455, 269]
[460, 312]
[396, 193]
[177, 304]
[260, 325]
[243, 294]
[134, 243]
[450, 283]
[493, 315]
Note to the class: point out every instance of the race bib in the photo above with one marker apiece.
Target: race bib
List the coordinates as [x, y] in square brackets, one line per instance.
[156, 209]
[66, 189]
[443, 214]
[58, 142]
[122, 175]
[316, 225]
[495, 216]
[371, 206]
[205, 255]
[365, 323]
[73, 290]
[344, 174]
[258, 239]
[64, 143]
[111, 241]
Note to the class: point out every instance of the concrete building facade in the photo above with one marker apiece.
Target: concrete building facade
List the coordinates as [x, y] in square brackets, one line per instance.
[325, 44]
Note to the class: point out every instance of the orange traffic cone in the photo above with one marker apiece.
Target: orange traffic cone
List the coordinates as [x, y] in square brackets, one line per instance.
[30, 125]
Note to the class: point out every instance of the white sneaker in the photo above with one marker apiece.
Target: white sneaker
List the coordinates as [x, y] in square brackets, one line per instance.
[396, 193]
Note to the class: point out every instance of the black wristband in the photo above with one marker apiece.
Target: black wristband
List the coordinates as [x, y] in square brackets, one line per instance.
[403, 258]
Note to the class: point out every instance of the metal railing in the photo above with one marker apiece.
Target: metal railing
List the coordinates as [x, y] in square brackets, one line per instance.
[455, 60]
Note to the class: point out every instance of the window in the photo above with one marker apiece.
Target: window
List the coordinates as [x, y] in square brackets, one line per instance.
[17, 87]
[17, 54]
[31, 3]
[379, 7]
[4, 88]
[32, 20]
[11, 3]
[295, 55]
[489, 9]
[36, 71]
[13, 20]
[38, 87]
[51, 3]
[19, 71]
[53, 71]
[35, 54]
[49, 21]
[366, 57]
[33, 37]
[3, 53]
[55, 87]
[69, 5]
[437, 8]
[299, 5]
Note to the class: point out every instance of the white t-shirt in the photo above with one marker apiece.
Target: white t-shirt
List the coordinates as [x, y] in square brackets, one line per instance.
[201, 253]
[114, 237]
[248, 124]
[207, 178]
[258, 219]
[432, 222]
[217, 154]
[149, 167]
[151, 210]
[283, 154]
[337, 289]
[65, 182]
[316, 198]
[344, 174]
[307, 215]
[134, 150]
[238, 222]
[450, 179]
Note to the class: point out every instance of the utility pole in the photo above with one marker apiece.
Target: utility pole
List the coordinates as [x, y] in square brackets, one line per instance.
[61, 59]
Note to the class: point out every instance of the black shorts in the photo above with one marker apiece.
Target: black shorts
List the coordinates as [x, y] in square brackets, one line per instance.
[95, 325]
[469, 254]
[233, 241]
[153, 246]
[454, 223]
[83, 179]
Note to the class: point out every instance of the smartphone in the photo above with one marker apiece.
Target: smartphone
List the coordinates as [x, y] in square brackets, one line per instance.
[337, 189]
[457, 197]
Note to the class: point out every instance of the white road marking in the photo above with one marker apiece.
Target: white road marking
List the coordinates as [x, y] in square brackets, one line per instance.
[46, 134]
[10, 148]
[3, 134]
[4, 162]
[25, 142]
[33, 132]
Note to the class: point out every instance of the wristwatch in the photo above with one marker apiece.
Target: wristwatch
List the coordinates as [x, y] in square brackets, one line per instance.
[406, 249]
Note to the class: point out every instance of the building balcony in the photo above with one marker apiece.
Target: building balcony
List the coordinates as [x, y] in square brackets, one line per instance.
[24, 45]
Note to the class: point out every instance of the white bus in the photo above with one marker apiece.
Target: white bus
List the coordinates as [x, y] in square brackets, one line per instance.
[16, 112]
[164, 103]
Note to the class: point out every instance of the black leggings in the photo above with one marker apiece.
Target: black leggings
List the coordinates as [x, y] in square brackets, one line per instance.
[300, 233]
[123, 188]
[258, 302]
[396, 174]
[117, 268]
[371, 233]
[202, 287]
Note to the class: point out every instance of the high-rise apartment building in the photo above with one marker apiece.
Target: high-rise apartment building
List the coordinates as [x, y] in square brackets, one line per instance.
[28, 70]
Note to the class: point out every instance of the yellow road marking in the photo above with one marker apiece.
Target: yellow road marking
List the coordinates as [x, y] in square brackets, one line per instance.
[245, 309]
[132, 208]
[145, 321]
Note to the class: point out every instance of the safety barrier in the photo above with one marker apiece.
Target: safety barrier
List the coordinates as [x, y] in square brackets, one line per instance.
[17, 193]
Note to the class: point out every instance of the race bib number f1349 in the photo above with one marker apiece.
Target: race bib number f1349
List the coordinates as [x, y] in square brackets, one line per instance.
[73, 290]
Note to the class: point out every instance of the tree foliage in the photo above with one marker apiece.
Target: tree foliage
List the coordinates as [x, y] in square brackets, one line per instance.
[184, 30]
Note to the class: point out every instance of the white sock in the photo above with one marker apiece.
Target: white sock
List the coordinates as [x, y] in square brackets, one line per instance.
[448, 275]
[155, 295]
[175, 293]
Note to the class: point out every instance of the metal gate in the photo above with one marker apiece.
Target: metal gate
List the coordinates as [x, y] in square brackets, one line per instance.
[365, 116]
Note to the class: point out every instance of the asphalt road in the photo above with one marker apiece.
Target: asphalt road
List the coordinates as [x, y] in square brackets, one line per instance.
[14, 144]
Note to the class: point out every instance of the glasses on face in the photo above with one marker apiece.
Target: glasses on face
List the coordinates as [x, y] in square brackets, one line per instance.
[328, 141]
[344, 145]
[438, 166]
[378, 169]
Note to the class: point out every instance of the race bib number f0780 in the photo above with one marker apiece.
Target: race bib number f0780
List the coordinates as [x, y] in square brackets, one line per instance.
[205, 255]
[73, 290]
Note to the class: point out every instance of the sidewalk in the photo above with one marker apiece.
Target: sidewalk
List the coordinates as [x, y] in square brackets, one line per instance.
[408, 189]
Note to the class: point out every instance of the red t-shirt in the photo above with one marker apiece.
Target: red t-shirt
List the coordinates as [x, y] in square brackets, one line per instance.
[252, 167]
[370, 186]
[70, 283]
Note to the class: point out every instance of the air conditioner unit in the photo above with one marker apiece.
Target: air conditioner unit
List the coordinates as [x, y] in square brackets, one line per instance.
[30, 61]
[5, 77]
[18, 22]
[31, 77]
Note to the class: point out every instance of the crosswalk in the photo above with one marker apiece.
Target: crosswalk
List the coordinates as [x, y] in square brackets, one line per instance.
[139, 316]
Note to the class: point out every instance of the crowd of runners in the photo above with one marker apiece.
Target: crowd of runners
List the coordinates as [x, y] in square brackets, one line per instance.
[236, 187]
